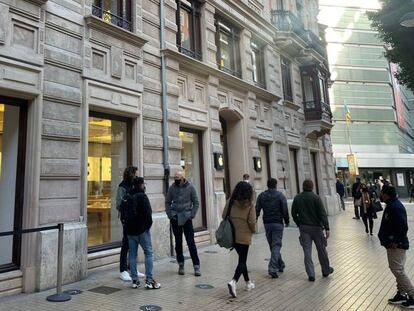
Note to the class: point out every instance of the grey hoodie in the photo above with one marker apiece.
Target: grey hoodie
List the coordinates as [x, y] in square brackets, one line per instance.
[181, 202]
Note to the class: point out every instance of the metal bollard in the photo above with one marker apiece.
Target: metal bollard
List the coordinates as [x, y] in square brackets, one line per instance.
[59, 296]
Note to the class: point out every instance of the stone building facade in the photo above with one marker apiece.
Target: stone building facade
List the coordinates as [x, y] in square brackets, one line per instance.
[87, 87]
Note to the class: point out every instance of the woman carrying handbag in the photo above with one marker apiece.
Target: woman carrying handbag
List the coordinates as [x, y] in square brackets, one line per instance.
[243, 218]
[368, 211]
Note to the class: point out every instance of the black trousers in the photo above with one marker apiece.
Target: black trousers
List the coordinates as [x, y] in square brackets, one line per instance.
[367, 217]
[188, 231]
[123, 260]
[242, 250]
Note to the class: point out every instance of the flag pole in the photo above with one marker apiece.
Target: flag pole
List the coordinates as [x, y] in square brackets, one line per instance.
[348, 119]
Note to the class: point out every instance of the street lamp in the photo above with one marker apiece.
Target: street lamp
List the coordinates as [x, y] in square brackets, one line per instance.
[407, 20]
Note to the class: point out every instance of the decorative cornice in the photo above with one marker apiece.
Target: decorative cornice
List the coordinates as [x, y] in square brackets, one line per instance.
[115, 31]
[201, 67]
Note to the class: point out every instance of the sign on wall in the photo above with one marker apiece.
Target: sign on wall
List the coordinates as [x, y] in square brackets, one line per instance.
[400, 180]
[352, 164]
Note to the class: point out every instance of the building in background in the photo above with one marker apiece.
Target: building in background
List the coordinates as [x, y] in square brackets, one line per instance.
[81, 98]
[381, 131]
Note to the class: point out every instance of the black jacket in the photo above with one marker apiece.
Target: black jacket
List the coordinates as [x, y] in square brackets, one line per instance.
[356, 194]
[274, 207]
[340, 189]
[142, 220]
[394, 225]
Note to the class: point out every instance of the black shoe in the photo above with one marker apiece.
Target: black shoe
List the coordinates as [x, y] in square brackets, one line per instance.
[152, 284]
[135, 284]
[282, 267]
[273, 275]
[371, 233]
[409, 303]
[357, 218]
[181, 270]
[366, 230]
[281, 270]
[311, 279]
[398, 299]
[331, 270]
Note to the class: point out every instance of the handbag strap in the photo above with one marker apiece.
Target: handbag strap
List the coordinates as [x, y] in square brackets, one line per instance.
[229, 208]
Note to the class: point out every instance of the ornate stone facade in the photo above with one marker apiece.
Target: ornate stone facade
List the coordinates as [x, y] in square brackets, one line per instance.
[66, 61]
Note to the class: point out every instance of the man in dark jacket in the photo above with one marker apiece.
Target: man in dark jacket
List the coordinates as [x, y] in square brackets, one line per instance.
[340, 190]
[356, 194]
[310, 216]
[125, 187]
[181, 206]
[393, 236]
[137, 226]
[275, 211]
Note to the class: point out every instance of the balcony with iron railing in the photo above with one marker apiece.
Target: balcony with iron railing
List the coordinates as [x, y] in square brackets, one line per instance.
[110, 18]
[286, 21]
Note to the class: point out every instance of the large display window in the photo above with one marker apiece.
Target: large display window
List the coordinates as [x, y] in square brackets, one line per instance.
[109, 145]
[13, 115]
[192, 165]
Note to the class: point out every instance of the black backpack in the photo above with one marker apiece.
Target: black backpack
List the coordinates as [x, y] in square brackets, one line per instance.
[128, 210]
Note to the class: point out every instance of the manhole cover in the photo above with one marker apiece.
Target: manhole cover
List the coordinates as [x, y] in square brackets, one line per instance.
[150, 308]
[204, 286]
[210, 252]
[73, 292]
[106, 290]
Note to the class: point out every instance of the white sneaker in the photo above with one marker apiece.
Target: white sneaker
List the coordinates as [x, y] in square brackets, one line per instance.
[232, 288]
[140, 275]
[250, 285]
[125, 276]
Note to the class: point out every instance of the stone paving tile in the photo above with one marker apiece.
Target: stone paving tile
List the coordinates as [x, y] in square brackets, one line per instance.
[361, 281]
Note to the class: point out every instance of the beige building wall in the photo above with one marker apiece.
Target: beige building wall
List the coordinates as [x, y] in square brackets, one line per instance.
[66, 62]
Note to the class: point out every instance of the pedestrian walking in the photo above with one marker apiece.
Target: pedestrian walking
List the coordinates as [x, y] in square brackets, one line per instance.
[246, 178]
[181, 207]
[310, 216]
[124, 188]
[367, 210]
[393, 236]
[275, 213]
[356, 195]
[137, 226]
[243, 218]
[340, 190]
[411, 193]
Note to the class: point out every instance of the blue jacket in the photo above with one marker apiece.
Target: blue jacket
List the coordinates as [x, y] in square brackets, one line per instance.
[394, 225]
[274, 207]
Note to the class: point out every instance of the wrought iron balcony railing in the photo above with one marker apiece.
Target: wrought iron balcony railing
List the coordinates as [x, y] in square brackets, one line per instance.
[315, 111]
[289, 22]
[190, 53]
[110, 18]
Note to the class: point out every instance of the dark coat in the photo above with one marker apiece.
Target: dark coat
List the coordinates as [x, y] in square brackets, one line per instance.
[181, 202]
[308, 209]
[340, 189]
[394, 225]
[142, 221]
[274, 207]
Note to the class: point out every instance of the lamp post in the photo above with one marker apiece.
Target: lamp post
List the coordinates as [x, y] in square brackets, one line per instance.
[407, 20]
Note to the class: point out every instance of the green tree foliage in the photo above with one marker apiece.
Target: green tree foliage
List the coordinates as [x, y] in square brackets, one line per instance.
[400, 40]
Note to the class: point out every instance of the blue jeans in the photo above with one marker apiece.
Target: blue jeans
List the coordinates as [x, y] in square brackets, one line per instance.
[144, 239]
[274, 235]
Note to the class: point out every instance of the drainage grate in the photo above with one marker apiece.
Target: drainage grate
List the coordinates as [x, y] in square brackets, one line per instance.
[211, 252]
[204, 286]
[106, 290]
[73, 292]
[150, 308]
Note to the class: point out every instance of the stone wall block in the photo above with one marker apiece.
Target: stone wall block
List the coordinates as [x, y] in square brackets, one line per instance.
[60, 167]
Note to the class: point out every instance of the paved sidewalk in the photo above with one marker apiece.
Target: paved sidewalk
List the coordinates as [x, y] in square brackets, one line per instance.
[361, 281]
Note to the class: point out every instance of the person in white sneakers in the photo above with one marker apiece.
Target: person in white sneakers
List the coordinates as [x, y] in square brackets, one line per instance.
[124, 188]
[243, 218]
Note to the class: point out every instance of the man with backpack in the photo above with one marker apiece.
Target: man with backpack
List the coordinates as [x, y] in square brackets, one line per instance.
[275, 212]
[125, 189]
[357, 195]
[137, 222]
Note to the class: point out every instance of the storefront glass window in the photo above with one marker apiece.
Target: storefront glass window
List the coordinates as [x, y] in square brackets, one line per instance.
[107, 158]
[191, 165]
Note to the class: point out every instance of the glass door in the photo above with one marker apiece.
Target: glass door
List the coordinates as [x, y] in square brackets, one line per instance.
[13, 115]
[192, 166]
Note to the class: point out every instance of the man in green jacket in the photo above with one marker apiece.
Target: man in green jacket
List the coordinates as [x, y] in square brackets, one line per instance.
[310, 216]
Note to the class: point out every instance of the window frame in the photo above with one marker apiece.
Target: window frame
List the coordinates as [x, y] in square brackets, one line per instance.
[226, 28]
[258, 67]
[20, 180]
[287, 85]
[195, 29]
[122, 18]
[129, 123]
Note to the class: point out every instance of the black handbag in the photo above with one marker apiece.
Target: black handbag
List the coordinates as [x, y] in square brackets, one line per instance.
[377, 206]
